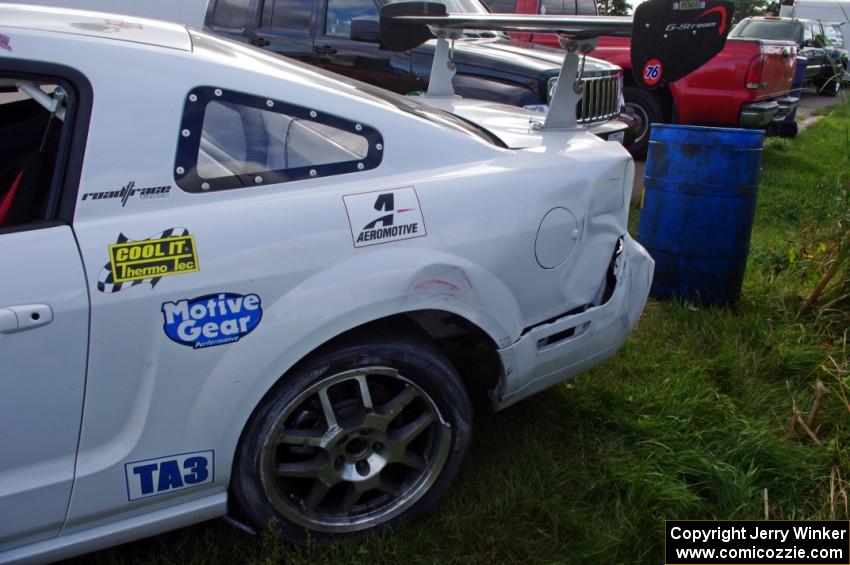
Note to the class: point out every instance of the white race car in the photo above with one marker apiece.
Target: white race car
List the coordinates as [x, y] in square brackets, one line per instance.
[228, 282]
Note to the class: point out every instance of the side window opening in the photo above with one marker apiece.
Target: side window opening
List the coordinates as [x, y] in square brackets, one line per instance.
[288, 14]
[552, 7]
[586, 8]
[501, 6]
[807, 33]
[232, 14]
[32, 114]
[232, 140]
[341, 12]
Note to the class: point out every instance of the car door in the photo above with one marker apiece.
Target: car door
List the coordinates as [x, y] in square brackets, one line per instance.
[286, 28]
[44, 317]
[359, 56]
[812, 51]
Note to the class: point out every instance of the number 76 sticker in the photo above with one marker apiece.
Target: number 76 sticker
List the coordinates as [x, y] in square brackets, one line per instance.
[652, 72]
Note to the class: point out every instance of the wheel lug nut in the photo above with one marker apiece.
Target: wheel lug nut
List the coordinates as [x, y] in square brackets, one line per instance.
[364, 432]
[377, 447]
[362, 467]
[339, 462]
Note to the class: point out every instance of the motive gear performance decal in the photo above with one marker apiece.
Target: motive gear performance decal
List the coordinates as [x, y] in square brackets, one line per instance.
[384, 216]
[171, 252]
[213, 319]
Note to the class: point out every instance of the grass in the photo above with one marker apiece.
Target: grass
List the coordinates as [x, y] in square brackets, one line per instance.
[689, 420]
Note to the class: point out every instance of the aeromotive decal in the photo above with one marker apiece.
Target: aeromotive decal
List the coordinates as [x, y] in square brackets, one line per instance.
[128, 191]
[384, 216]
[171, 252]
[213, 319]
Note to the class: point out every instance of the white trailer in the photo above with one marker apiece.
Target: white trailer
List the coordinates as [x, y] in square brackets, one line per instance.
[824, 10]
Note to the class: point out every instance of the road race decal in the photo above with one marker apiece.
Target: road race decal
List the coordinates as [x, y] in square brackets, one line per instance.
[214, 319]
[168, 474]
[652, 72]
[128, 191]
[171, 252]
[5, 42]
[384, 216]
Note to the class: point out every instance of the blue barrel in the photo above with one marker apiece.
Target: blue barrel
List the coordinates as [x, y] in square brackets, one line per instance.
[699, 202]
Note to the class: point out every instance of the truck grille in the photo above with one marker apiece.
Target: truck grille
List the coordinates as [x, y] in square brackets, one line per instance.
[600, 99]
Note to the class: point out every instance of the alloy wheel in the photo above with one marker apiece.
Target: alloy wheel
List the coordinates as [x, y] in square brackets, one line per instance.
[643, 121]
[354, 450]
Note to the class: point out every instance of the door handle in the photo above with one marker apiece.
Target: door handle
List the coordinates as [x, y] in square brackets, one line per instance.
[325, 50]
[260, 41]
[25, 317]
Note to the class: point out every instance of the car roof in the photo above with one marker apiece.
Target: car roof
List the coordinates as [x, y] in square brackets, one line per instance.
[95, 24]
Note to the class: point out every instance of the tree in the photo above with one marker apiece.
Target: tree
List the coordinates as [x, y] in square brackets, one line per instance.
[747, 8]
[613, 7]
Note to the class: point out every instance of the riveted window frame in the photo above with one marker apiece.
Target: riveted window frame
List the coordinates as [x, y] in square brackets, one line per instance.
[189, 141]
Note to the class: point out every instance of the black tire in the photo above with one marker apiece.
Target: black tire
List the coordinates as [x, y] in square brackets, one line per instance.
[829, 87]
[788, 130]
[422, 373]
[650, 110]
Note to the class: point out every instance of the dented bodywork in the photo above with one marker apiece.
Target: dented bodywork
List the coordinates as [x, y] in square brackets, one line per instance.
[199, 301]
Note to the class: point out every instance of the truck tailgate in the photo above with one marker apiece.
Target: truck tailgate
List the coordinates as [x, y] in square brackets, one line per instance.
[778, 72]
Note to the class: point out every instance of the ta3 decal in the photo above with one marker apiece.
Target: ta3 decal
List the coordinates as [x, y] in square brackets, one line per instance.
[171, 252]
[151, 477]
[128, 191]
[384, 216]
[213, 319]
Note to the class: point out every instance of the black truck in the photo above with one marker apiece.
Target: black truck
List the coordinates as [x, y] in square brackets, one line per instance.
[343, 36]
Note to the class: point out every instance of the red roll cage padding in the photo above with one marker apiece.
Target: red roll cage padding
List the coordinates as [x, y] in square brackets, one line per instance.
[9, 197]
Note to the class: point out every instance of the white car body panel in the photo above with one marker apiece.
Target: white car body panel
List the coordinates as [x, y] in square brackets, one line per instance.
[292, 245]
[187, 12]
[41, 393]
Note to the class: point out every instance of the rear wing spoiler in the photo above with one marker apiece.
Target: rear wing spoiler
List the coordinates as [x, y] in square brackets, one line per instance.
[670, 39]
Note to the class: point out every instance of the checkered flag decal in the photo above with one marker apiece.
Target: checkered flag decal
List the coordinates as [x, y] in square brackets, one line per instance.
[106, 282]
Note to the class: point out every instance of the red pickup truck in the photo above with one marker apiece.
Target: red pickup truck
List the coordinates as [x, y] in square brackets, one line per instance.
[745, 85]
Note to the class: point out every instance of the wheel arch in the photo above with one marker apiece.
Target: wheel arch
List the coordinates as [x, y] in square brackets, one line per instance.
[434, 297]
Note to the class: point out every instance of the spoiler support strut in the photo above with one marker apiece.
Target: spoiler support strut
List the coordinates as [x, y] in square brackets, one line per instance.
[568, 91]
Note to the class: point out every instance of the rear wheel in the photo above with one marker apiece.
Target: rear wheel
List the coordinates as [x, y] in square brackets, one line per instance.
[356, 439]
[649, 109]
[788, 130]
[830, 87]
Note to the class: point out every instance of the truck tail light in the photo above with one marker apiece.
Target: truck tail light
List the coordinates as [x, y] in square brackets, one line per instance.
[754, 72]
